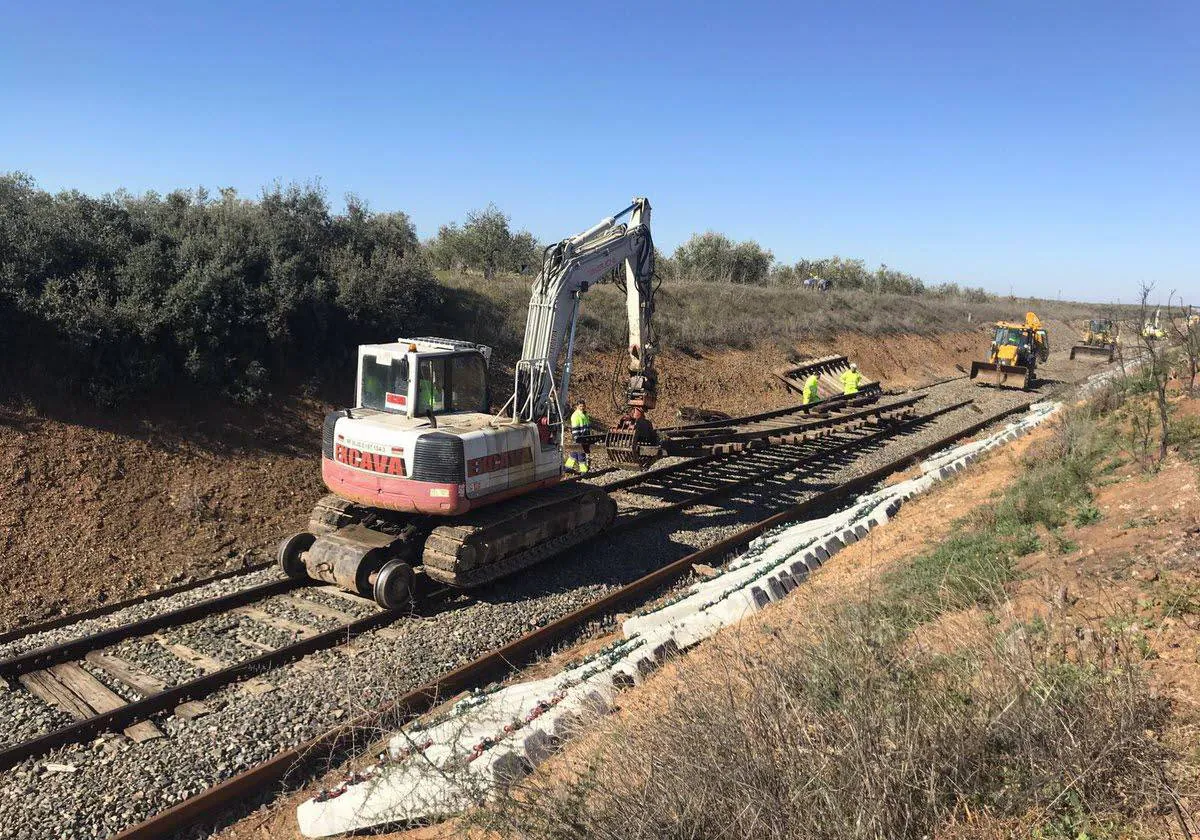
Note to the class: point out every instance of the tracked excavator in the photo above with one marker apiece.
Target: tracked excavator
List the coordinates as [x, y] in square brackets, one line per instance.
[425, 483]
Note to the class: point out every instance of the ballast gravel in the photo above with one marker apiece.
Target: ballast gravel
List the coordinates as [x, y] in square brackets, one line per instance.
[137, 612]
[116, 783]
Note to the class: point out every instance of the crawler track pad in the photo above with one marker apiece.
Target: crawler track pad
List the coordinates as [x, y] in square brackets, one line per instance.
[501, 539]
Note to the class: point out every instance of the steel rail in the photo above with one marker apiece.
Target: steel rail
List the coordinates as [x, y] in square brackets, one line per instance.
[737, 434]
[44, 657]
[161, 701]
[692, 462]
[662, 472]
[313, 756]
[116, 606]
[838, 399]
[790, 464]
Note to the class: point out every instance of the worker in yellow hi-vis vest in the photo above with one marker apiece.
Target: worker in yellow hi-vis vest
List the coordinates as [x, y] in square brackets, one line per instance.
[812, 393]
[851, 379]
[581, 426]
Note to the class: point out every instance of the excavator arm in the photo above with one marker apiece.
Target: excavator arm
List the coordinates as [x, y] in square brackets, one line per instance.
[569, 269]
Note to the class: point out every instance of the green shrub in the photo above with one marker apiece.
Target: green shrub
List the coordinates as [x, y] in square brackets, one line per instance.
[122, 295]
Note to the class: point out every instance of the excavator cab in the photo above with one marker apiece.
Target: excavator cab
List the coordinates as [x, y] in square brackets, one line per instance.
[423, 376]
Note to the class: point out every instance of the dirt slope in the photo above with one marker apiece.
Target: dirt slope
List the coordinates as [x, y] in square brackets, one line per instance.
[106, 507]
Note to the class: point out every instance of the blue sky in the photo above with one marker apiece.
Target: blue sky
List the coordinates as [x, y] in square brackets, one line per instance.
[1026, 145]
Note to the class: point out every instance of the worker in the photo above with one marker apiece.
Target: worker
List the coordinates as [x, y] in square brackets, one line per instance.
[811, 395]
[851, 379]
[430, 396]
[581, 426]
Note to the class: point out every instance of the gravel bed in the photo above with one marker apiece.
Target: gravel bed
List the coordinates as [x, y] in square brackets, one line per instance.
[343, 604]
[26, 717]
[136, 612]
[155, 660]
[116, 784]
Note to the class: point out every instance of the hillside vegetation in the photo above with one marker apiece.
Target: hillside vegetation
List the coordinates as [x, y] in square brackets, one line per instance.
[125, 295]
[694, 315]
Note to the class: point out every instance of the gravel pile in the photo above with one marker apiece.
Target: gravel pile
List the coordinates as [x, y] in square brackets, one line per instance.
[115, 783]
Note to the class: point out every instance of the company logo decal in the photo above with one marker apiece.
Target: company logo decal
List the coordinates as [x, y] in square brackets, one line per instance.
[499, 461]
[373, 461]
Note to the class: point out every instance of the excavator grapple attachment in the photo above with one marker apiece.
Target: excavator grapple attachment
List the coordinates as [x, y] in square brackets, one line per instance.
[1000, 376]
[633, 445]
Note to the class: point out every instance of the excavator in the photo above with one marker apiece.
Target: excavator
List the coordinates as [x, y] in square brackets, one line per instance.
[1014, 356]
[1100, 339]
[1154, 331]
[425, 482]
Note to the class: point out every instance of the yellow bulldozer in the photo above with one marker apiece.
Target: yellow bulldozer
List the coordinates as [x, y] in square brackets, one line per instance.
[1014, 356]
[1100, 339]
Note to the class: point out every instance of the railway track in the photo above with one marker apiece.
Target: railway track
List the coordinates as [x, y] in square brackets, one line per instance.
[312, 758]
[98, 681]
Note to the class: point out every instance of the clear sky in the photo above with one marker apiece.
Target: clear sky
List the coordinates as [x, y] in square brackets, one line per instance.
[1038, 146]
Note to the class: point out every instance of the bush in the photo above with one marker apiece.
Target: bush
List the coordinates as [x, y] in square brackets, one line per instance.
[485, 243]
[121, 295]
[715, 257]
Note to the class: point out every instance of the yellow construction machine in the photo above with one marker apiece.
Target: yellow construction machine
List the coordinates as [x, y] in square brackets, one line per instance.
[1014, 356]
[1100, 339]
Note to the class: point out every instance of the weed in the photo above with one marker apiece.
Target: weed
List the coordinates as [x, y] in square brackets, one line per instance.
[1185, 436]
[1087, 514]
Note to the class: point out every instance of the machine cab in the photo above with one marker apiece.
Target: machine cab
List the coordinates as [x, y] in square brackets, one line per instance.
[421, 376]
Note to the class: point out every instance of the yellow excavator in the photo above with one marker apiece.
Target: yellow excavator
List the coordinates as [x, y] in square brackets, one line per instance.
[1014, 356]
[1100, 339]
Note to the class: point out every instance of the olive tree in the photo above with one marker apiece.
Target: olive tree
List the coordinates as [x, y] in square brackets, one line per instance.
[485, 242]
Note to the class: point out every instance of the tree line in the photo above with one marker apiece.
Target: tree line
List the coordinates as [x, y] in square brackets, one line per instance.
[123, 294]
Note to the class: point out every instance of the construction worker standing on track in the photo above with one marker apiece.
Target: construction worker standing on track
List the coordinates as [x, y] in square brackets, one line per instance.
[811, 392]
[581, 425]
[851, 379]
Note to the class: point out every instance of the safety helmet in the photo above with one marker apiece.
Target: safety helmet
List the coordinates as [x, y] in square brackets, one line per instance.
[853, 366]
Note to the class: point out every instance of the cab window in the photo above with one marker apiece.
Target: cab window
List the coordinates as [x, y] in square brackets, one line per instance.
[431, 386]
[452, 383]
[468, 384]
[384, 383]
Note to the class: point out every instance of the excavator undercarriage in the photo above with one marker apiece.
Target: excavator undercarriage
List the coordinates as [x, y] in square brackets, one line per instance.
[361, 549]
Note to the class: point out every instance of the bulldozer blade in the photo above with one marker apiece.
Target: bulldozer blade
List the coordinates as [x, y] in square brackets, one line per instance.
[1093, 350]
[1000, 376]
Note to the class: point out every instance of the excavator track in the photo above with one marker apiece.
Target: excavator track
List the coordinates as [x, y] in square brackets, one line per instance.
[332, 512]
[501, 539]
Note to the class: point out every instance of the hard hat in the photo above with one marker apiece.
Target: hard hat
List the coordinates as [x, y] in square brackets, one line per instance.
[853, 366]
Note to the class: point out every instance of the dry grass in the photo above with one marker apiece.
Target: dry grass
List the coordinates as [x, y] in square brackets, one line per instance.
[691, 315]
[859, 735]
